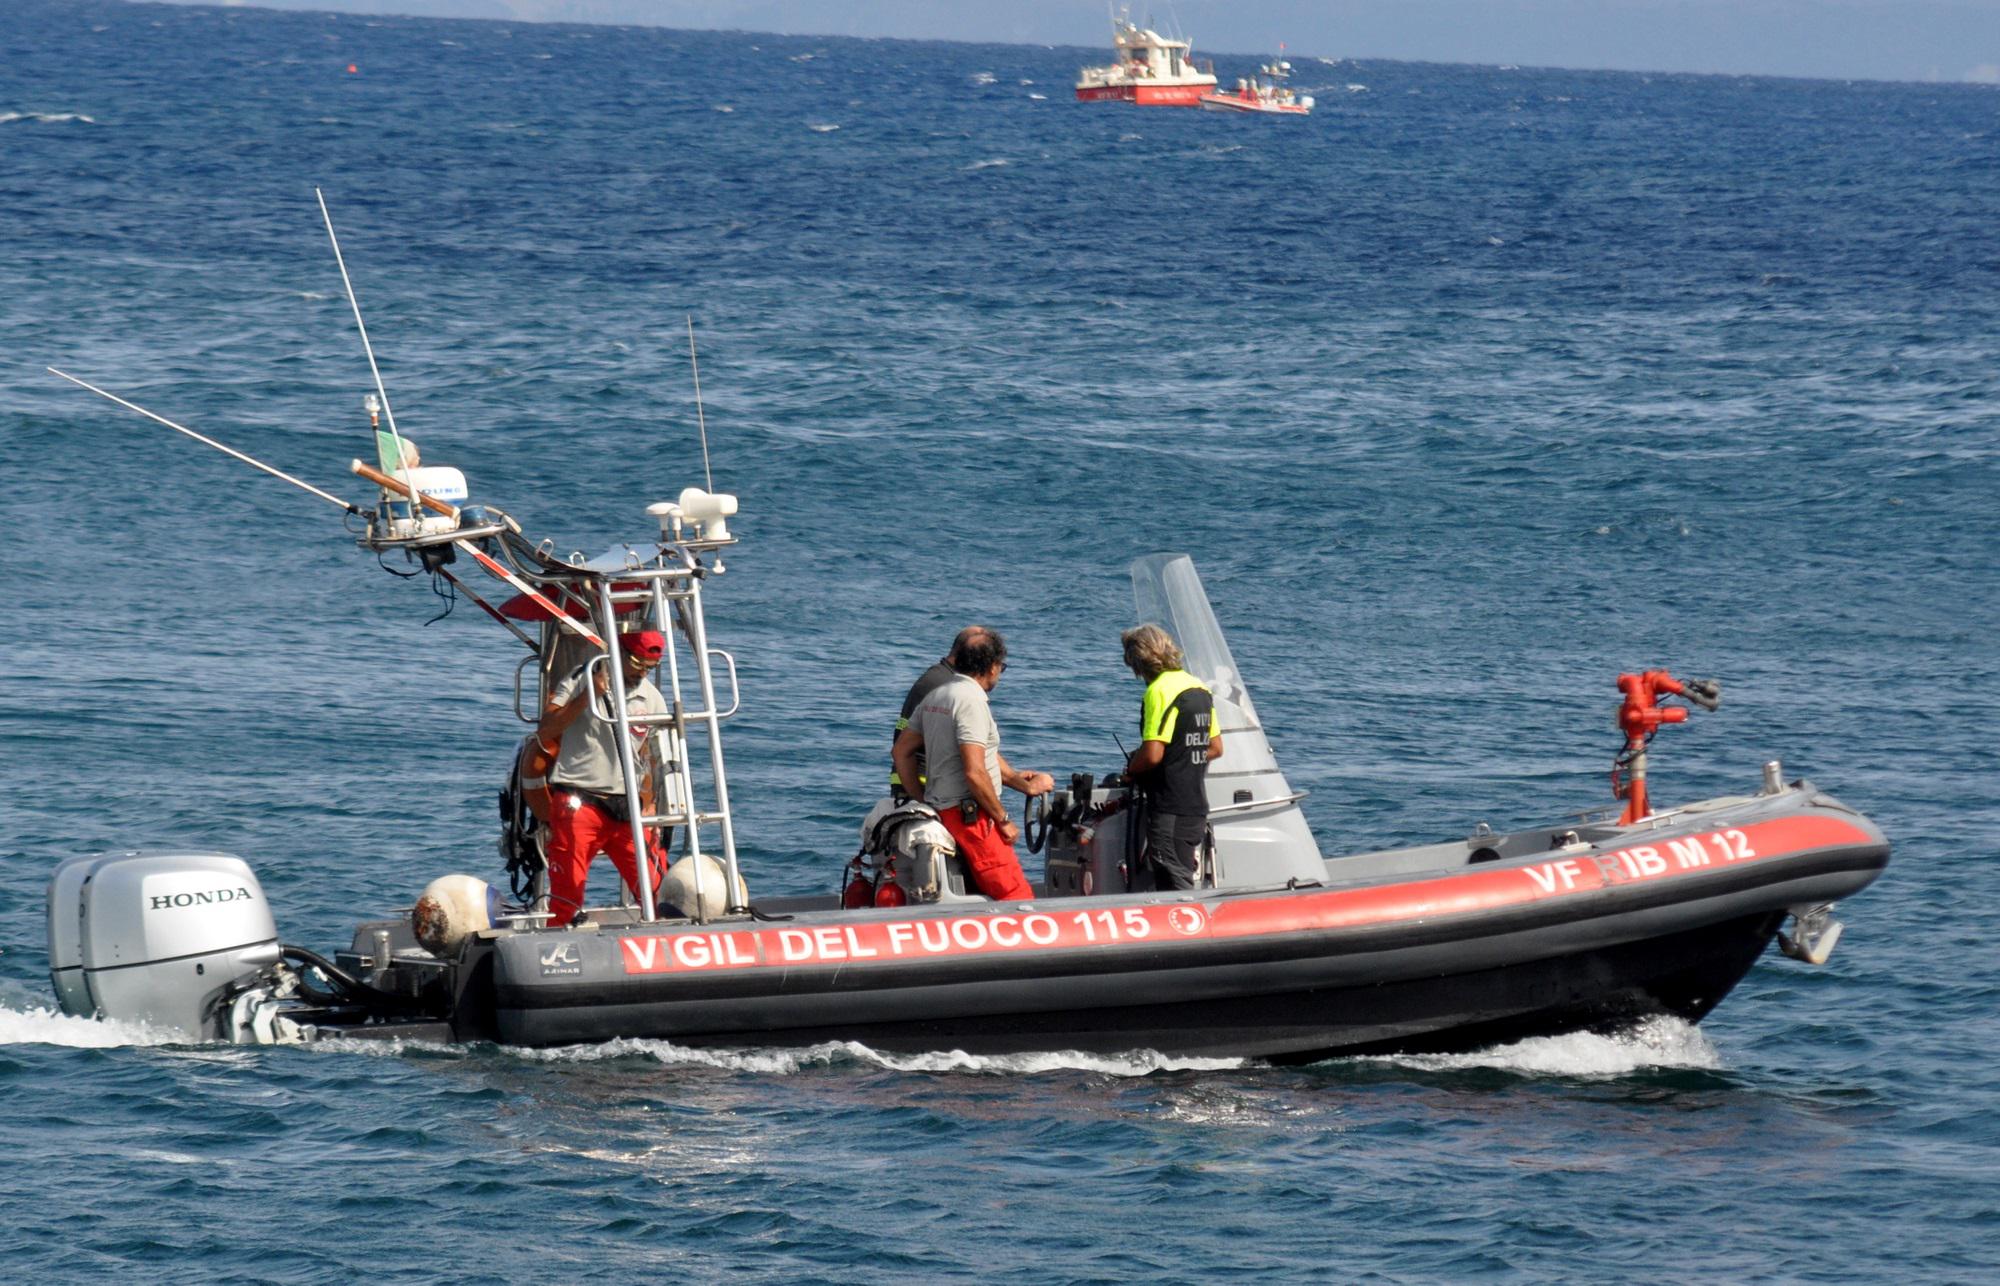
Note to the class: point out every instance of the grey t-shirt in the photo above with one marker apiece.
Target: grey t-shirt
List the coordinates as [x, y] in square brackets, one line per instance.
[588, 758]
[954, 714]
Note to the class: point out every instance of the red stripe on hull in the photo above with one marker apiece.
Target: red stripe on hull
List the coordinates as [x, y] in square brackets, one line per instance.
[1144, 95]
[1073, 926]
[1171, 95]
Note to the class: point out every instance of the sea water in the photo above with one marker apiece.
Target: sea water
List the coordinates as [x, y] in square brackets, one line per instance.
[1470, 391]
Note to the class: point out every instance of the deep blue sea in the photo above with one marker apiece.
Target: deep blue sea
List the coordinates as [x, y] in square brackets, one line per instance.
[1466, 393]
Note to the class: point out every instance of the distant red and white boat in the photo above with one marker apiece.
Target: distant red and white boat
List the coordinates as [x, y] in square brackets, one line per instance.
[1151, 70]
[1265, 95]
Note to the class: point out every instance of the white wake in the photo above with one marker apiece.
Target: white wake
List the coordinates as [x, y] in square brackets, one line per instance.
[47, 1027]
[1653, 1044]
[783, 1062]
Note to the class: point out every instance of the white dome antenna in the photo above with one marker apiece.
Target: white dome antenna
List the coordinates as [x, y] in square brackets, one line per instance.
[668, 514]
[710, 511]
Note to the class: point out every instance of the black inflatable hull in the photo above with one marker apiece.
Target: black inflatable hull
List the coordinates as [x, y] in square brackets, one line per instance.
[1657, 920]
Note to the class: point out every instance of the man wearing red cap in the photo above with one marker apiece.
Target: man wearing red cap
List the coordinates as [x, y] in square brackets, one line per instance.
[588, 809]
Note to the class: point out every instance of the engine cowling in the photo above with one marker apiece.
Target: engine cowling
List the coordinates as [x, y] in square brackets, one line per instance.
[157, 938]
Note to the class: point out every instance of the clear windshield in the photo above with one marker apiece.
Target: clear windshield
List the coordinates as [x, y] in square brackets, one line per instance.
[1167, 591]
[1261, 837]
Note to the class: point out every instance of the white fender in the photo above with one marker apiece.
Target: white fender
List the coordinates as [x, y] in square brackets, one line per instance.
[452, 908]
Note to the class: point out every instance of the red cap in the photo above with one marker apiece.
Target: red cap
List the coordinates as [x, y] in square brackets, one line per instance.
[647, 645]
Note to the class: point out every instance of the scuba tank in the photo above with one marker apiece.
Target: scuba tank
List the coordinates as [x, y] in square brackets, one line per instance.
[860, 890]
[887, 891]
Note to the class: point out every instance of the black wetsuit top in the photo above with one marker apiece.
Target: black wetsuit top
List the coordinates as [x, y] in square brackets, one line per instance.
[927, 682]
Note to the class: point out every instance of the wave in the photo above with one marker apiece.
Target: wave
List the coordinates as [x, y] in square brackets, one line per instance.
[43, 1026]
[1655, 1043]
[988, 165]
[1652, 1044]
[846, 1053]
[46, 118]
[1141, 1062]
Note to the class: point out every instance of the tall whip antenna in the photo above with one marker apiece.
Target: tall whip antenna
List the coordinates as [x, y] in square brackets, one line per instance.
[700, 419]
[402, 456]
[205, 441]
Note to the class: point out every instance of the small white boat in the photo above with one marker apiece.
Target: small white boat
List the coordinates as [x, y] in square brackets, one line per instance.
[1262, 96]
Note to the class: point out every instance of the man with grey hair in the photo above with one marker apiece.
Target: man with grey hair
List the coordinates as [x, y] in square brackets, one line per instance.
[1177, 740]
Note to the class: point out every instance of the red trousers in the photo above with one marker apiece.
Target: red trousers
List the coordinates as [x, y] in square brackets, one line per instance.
[578, 832]
[991, 859]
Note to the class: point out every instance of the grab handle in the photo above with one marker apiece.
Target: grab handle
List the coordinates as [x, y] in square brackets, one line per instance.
[735, 695]
[599, 712]
[523, 715]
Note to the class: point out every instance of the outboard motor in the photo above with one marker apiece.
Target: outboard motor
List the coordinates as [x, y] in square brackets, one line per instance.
[158, 938]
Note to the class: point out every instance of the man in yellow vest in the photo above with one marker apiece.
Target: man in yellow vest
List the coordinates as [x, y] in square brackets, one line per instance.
[1177, 741]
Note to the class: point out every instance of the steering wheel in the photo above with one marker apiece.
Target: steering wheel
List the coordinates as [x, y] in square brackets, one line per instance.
[1035, 821]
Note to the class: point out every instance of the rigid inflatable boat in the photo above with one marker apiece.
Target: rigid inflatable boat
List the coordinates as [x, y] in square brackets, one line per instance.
[1281, 953]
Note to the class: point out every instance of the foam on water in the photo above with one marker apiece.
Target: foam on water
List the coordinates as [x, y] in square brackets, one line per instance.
[1655, 1043]
[40, 1026]
[45, 118]
[785, 1062]
[1659, 1043]
[1652, 1044]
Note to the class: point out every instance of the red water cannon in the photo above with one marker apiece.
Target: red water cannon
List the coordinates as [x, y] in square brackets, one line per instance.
[1640, 718]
